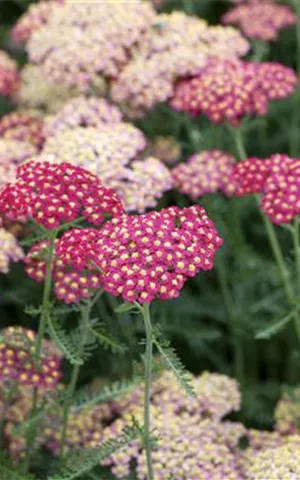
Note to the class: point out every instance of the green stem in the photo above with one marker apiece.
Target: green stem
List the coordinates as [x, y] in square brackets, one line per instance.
[41, 333]
[74, 378]
[297, 9]
[239, 143]
[229, 305]
[148, 374]
[296, 239]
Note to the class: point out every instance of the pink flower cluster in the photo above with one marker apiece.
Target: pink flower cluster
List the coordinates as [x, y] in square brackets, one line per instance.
[23, 126]
[55, 194]
[204, 172]
[73, 50]
[227, 91]
[74, 277]
[83, 112]
[12, 154]
[33, 19]
[152, 255]
[17, 360]
[276, 178]
[258, 19]
[9, 76]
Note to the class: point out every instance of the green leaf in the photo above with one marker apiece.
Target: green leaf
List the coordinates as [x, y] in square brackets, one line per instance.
[64, 341]
[106, 340]
[84, 399]
[82, 461]
[124, 307]
[173, 362]
[275, 327]
[9, 472]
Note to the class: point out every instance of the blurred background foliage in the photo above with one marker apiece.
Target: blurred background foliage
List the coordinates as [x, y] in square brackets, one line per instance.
[197, 323]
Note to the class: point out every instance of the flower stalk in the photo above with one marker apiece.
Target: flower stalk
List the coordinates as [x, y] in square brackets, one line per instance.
[145, 310]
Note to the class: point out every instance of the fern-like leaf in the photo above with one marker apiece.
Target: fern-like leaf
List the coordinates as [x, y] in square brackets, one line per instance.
[64, 341]
[84, 399]
[173, 362]
[81, 462]
[105, 339]
[10, 472]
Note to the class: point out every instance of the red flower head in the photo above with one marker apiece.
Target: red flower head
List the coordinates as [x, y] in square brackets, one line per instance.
[281, 199]
[248, 177]
[204, 172]
[17, 363]
[228, 90]
[56, 194]
[74, 277]
[152, 255]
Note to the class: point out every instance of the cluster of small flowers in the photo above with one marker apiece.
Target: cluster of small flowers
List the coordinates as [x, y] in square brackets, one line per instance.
[23, 126]
[281, 462]
[10, 251]
[276, 178]
[83, 112]
[176, 46]
[194, 442]
[73, 50]
[142, 184]
[167, 149]
[204, 172]
[261, 20]
[83, 427]
[103, 151]
[231, 89]
[33, 19]
[37, 92]
[287, 413]
[17, 362]
[110, 151]
[152, 255]
[54, 194]
[71, 282]
[9, 76]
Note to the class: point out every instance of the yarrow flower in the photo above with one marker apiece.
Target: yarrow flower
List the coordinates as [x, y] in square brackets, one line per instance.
[152, 255]
[276, 179]
[9, 77]
[83, 112]
[33, 19]
[261, 20]
[167, 149]
[71, 48]
[278, 463]
[10, 251]
[177, 45]
[12, 154]
[193, 443]
[17, 362]
[231, 89]
[142, 184]
[23, 126]
[204, 172]
[74, 277]
[37, 92]
[99, 150]
[287, 413]
[55, 194]
[111, 152]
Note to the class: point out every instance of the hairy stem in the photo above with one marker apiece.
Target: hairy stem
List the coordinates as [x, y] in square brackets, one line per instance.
[148, 374]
